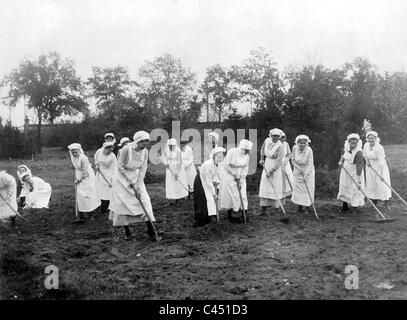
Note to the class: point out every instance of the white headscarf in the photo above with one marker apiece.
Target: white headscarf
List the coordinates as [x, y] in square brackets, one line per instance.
[75, 160]
[275, 132]
[302, 137]
[217, 150]
[20, 176]
[171, 142]
[245, 144]
[214, 134]
[353, 136]
[123, 140]
[141, 135]
[375, 134]
[110, 134]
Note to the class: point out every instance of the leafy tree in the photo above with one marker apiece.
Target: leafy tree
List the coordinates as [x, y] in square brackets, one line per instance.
[50, 85]
[218, 87]
[167, 87]
[316, 106]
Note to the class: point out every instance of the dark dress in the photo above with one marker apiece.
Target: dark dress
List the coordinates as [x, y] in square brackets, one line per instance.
[200, 207]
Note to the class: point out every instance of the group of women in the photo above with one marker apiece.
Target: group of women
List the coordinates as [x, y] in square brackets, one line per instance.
[219, 184]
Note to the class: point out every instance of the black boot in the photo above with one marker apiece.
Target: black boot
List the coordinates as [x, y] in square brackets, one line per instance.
[104, 206]
[127, 232]
[263, 211]
[345, 207]
[230, 214]
[13, 221]
[151, 233]
[309, 210]
[300, 209]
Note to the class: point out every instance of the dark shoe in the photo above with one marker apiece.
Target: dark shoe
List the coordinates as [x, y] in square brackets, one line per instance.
[345, 207]
[263, 211]
[13, 221]
[309, 210]
[300, 209]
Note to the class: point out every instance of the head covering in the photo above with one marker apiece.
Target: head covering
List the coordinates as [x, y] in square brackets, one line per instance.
[217, 150]
[275, 132]
[373, 133]
[109, 134]
[75, 146]
[214, 134]
[108, 144]
[123, 140]
[245, 144]
[282, 134]
[353, 136]
[302, 137]
[141, 135]
[19, 175]
[171, 142]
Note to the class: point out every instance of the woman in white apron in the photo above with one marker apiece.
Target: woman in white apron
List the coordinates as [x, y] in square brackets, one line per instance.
[106, 168]
[376, 189]
[39, 192]
[236, 167]
[85, 181]
[8, 193]
[187, 156]
[176, 186]
[287, 171]
[272, 183]
[206, 186]
[123, 142]
[352, 161]
[213, 142]
[304, 173]
[24, 188]
[128, 187]
[109, 137]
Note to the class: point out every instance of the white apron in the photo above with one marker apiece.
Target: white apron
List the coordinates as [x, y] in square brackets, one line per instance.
[303, 161]
[86, 190]
[40, 196]
[375, 188]
[274, 156]
[348, 190]
[175, 189]
[288, 172]
[124, 207]
[8, 192]
[108, 167]
[210, 174]
[190, 170]
[228, 193]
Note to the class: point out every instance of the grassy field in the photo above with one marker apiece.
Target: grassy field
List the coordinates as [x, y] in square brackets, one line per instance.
[264, 259]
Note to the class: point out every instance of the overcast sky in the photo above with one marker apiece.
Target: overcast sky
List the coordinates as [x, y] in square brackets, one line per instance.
[202, 33]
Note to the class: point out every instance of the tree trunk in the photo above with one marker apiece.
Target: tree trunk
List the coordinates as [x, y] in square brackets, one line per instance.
[38, 142]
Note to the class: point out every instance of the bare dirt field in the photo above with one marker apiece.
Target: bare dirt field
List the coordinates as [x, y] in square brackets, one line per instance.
[264, 259]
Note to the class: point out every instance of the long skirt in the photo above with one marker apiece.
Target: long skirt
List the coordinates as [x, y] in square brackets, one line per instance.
[86, 194]
[190, 173]
[200, 202]
[288, 181]
[376, 189]
[176, 189]
[40, 198]
[102, 187]
[272, 188]
[348, 190]
[124, 207]
[229, 193]
[5, 211]
[300, 193]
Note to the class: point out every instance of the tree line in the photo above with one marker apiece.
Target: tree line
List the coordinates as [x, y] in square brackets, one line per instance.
[322, 102]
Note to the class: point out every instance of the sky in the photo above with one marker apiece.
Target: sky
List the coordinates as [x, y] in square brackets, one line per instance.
[201, 32]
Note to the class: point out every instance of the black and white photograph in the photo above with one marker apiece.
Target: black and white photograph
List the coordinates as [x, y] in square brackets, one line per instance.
[197, 150]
